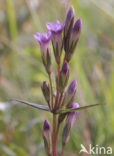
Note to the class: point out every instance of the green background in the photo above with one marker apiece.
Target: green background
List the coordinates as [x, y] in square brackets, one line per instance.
[22, 72]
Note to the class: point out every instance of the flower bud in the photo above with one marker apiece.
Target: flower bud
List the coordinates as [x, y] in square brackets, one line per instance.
[70, 93]
[44, 39]
[46, 91]
[64, 76]
[70, 120]
[56, 29]
[69, 22]
[73, 40]
[47, 138]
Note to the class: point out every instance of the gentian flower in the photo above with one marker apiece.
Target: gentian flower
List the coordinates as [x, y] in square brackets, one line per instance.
[70, 93]
[64, 76]
[69, 23]
[56, 29]
[73, 39]
[44, 39]
[70, 121]
[47, 137]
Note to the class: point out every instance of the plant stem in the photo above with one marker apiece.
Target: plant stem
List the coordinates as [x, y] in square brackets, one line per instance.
[54, 146]
[60, 99]
[56, 135]
[49, 106]
[51, 89]
[58, 86]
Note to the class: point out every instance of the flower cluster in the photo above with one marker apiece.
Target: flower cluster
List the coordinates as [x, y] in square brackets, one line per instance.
[64, 37]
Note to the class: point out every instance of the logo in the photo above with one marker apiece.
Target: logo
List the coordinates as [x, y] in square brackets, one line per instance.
[96, 150]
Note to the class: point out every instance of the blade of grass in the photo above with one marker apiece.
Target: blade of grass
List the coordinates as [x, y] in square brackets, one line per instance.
[11, 18]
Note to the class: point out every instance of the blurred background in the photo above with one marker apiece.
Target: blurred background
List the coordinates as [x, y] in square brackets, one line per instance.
[22, 72]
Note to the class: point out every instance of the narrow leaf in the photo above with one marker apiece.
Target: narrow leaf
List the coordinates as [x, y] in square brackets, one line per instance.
[32, 104]
[61, 111]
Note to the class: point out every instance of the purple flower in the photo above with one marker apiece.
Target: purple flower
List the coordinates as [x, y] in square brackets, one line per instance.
[46, 126]
[56, 29]
[77, 26]
[70, 93]
[65, 68]
[69, 22]
[73, 39]
[72, 87]
[47, 137]
[44, 39]
[64, 76]
[70, 121]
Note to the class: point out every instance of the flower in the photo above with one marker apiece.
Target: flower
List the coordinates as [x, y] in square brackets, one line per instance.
[64, 76]
[46, 126]
[70, 121]
[44, 39]
[47, 137]
[46, 91]
[69, 22]
[73, 40]
[70, 93]
[72, 87]
[56, 29]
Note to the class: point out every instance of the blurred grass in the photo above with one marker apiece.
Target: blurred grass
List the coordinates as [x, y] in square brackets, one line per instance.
[21, 72]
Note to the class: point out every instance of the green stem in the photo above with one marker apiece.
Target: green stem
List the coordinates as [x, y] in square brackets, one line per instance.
[12, 19]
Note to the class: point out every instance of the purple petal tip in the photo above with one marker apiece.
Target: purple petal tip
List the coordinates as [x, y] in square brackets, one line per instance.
[75, 105]
[46, 125]
[71, 13]
[55, 27]
[43, 37]
[65, 68]
[77, 25]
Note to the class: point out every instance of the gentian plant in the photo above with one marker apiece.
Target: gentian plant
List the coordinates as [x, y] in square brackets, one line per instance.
[64, 37]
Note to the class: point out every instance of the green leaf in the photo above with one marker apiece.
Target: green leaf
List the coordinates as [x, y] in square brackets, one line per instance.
[46, 108]
[61, 111]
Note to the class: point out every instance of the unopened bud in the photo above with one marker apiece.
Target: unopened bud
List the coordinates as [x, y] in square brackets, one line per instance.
[73, 40]
[70, 93]
[47, 138]
[64, 76]
[70, 121]
[56, 29]
[69, 22]
[46, 91]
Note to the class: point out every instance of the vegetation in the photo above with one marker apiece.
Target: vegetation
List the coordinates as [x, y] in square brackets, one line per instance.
[22, 72]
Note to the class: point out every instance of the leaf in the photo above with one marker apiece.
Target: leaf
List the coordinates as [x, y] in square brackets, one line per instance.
[61, 111]
[46, 108]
